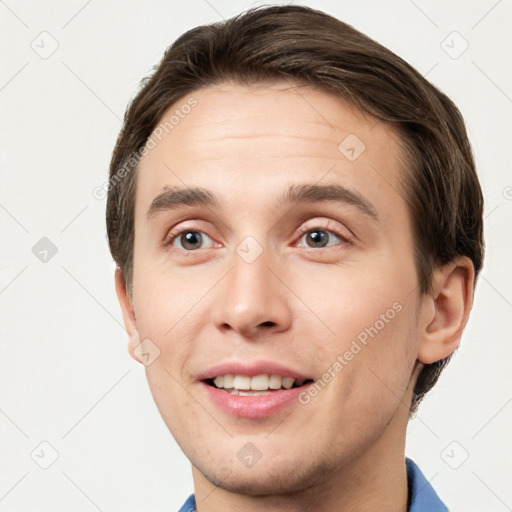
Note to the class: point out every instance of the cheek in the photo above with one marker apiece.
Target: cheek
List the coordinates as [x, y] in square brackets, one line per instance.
[166, 296]
[378, 374]
[175, 406]
[350, 303]
[169, 313]
[166, 315]
[369, 336]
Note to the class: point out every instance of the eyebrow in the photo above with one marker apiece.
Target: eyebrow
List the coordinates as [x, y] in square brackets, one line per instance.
[173, 198]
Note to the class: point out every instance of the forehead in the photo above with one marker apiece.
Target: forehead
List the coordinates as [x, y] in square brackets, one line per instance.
[232, 139]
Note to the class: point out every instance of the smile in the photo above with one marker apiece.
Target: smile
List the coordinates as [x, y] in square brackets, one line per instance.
[243, 385]
[252, 390]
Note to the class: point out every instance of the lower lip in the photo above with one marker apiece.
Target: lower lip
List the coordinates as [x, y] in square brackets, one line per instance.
[260, 406]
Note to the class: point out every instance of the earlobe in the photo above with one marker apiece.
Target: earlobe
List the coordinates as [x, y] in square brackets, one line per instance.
[128, 312]
[448, 309]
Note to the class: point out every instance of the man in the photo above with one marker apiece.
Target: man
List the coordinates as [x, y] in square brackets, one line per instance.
[297, 224]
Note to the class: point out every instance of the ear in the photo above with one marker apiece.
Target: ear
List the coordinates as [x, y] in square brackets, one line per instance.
[446, 309]
[129, 319]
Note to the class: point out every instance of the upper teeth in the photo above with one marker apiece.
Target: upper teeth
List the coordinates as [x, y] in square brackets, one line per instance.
[257, 383]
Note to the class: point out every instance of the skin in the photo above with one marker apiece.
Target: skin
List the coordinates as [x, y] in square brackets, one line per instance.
[295, 304]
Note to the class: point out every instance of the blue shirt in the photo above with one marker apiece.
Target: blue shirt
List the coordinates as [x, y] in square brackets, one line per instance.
[423, 496]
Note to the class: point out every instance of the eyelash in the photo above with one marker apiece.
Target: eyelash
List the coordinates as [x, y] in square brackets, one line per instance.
[328, 229]
[345, 239]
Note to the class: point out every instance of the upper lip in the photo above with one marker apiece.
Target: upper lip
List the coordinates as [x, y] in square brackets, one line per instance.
[251, 370]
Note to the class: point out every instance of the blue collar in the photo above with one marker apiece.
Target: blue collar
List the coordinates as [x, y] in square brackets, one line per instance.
[423, 496]
[189, 505]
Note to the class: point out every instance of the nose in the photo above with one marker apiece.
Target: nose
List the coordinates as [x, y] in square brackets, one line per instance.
[252, 299]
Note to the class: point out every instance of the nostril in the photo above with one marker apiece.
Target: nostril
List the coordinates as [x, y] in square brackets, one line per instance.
[268, 324]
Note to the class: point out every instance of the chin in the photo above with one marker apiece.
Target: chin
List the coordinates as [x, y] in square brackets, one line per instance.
[263, 484]
[266, 478]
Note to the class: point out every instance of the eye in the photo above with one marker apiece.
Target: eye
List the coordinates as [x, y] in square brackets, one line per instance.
[317, 238]
[189, 239]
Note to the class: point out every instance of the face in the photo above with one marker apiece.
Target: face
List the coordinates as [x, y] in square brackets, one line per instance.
[293, 264]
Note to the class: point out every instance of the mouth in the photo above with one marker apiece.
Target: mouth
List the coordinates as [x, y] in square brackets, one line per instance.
[258, 385]
[253, 390]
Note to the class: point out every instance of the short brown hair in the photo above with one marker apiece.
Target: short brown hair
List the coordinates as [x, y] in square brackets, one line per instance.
[307, 46]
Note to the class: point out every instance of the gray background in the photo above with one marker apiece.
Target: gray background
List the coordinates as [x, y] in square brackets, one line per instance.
[66, 376]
